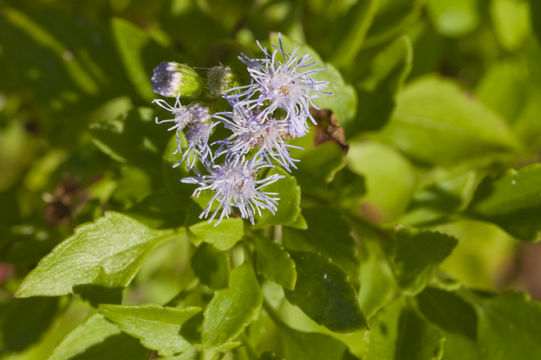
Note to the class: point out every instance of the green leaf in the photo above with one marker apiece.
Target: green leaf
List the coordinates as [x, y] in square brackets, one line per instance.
[327, 233]
[323, 292]
[504, 88]
[311, 346]
[511, 19]
[360, 18]
[511, 201]
[223, 236]
[392, 20]
[288, 206]
[132, 138]
[384, 76]
[97, 338]
[24, 321]
[157, 327]
[535, 20]
[387, 195]
[507, 326]
[457, 320]
[399, 333]
[267, 355]
[275, 263]
[343, 102]
[138, 53]
[317, 168]
[306, 345]
[435, 122]
[378, 282]
[416, 255]
[231, 310]
[211, 266]
[105, 253]
[454, 18]
[444, 193]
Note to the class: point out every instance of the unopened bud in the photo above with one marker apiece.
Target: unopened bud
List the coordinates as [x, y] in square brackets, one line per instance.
[172, 79]
[220, 79]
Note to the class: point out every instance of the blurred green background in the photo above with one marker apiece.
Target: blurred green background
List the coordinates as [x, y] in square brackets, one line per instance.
[70, 66]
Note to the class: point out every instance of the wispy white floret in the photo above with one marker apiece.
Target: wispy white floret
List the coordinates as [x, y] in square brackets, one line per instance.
[196, 119]
[284, 84]
[250, 130]
[235, 184]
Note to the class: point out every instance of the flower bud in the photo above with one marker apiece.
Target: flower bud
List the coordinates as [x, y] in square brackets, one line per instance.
[172, 79]
[220, 79]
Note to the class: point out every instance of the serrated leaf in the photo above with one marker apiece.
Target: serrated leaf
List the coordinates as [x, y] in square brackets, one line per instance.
[511, 201]
[507, 325]
[416, 255]
[399, 333]
[457, 320]
[435, 122]
[289, 204]
[97, 338]
[157, 327]
[323, 292]
[105, 253]
[343, 102]
[327, 233]
[275, 263]
[211, 266]
[231, 310]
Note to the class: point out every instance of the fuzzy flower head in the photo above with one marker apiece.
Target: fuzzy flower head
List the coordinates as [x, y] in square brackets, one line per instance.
[171, 79]
[235, 185]
[250, 130]
[284, 84]
[220, 79]
[196, 122]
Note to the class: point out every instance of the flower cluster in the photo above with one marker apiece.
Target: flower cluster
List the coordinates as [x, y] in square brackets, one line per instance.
[262, 116]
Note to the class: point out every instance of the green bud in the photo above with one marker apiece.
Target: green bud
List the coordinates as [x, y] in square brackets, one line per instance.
[220, 79]
[171, 79]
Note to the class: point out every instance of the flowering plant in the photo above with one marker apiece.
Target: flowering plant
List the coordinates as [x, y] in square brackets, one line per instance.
[270, 180]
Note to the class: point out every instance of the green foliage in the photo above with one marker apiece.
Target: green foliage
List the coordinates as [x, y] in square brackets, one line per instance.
[211, 266]
[416, 255]
[511, 201]
[230, 310]
[433, 123]
[323, 292]
[97, 338]
[158, 328]
[420, 182]
[107, 253]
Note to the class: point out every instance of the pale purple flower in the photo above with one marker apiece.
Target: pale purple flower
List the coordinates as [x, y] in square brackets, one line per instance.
[166, 79]
[235, 184]
[196, 121]
[284, 84]
[250, 130]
